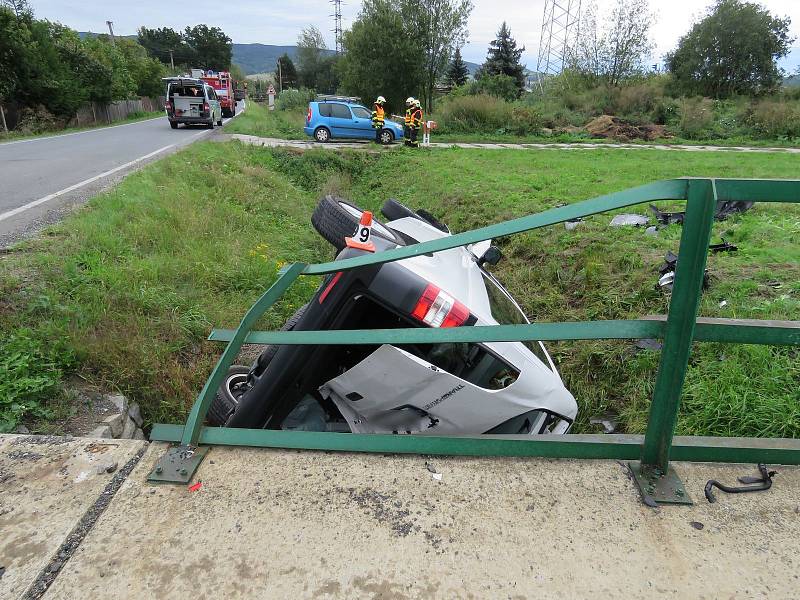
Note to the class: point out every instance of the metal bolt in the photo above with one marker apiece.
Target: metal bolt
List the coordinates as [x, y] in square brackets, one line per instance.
[183, 471]
[159, 470]
[679, 493]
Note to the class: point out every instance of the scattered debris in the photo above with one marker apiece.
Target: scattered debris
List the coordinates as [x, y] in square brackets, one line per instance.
[723, 247]
[723, 304]
[776, 285]
[196, 486]
[609, 423]
[652, 230]
[667, 272]
[609, 126]
[430, 467]
[722, 212]
[667, 218]
[107, 468]
[764, 482]
[629, 219]
[648, 344]
[572, 223]
[437, 476]
[2, 572]
[697, 525]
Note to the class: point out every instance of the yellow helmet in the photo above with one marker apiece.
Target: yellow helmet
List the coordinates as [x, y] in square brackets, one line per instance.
[380, 100]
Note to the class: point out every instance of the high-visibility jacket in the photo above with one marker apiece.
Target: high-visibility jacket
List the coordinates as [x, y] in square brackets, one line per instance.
[407, 120]
[416, 118]
[378, 116]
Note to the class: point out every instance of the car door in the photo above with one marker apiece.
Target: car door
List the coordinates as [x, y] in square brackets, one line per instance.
[213, 102]
[341, 120]
[362, 122]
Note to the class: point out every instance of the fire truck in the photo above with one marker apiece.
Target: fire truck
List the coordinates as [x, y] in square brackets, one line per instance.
[223, 86]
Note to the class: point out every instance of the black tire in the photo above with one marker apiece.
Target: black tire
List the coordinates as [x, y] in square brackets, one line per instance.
[334, 222]
[393, 210]
[225, 400]
[211, 123]
[322, 135]
[219, 123]
[173, 124]
[386, 137]
[233, 110]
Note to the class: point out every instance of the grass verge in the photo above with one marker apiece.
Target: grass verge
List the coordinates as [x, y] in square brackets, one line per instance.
[124, 293]
[260, 121]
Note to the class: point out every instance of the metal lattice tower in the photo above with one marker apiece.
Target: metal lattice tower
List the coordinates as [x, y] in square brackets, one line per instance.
[337, 24]
[560, 33]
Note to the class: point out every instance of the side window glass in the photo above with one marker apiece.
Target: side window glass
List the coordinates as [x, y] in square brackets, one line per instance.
[325, 110]
[340, 111]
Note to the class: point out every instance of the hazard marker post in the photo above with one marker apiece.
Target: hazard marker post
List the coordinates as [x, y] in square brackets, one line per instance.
[427, 127]
[362, 237]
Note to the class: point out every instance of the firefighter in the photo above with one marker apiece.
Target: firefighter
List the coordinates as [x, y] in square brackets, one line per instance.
[378, 117]
[407, 121]
[416, 123]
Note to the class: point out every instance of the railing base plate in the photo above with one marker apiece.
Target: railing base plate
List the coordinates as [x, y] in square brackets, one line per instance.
[178, 464]
[661, 487]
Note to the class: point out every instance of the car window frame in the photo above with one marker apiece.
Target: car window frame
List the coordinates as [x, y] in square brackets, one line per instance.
[367, 114]
[335, 105]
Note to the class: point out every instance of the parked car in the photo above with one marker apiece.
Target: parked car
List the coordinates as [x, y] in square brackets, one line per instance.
[446, 388]
[343, 119]
[191, 101]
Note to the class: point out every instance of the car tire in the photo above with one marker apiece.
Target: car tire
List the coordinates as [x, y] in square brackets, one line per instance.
[393, 210]
[322, 135]
[173, 124]
[219, 123]
[225, 400]
[387, 137]
[233, 110]
[211, 123]
[335, 219]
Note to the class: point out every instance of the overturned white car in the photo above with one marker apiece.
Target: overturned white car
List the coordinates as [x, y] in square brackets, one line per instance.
[447, 388]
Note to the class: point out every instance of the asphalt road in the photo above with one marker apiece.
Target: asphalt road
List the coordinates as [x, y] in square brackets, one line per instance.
[42, 178]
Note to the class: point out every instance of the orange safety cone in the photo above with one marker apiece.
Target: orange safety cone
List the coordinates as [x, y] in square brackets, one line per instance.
[362, 237]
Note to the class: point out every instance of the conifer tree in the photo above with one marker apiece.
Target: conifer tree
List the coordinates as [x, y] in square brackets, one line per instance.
[503, 58]
[458, 72]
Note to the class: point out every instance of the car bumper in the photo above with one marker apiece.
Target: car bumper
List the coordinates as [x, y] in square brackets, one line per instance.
[201, 119]
[309, 131]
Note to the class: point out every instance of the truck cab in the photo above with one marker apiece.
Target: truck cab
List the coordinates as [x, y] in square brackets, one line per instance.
[223, 86]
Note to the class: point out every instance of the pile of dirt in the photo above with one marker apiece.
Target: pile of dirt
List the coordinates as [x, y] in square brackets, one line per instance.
[611, 127]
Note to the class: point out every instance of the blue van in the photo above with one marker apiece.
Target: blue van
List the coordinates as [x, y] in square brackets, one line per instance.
[344, 119]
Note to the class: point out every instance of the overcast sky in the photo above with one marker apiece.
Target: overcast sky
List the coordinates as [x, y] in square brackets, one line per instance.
[279, 22]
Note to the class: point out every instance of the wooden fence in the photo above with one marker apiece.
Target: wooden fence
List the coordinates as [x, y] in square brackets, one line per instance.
[94, 113]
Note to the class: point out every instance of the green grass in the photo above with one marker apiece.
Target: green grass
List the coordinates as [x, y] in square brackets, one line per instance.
[129, 287]
[132, 118]
[260, 121]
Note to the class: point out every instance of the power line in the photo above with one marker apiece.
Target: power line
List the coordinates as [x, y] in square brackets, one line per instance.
[560, 34]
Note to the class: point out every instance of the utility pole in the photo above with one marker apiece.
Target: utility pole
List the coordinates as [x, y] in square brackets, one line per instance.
[171, 60]
[280, 76]
[111, 31]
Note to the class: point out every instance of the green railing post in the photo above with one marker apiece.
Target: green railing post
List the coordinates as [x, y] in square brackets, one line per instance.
[686, 292]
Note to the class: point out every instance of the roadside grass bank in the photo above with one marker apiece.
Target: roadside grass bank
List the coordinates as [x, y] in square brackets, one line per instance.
[124, 292]
[259, 120]
[288, 125]
[131, 118]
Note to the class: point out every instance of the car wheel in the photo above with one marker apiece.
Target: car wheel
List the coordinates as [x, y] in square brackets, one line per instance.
[322, 135]
[226, 400]
[219, 123]
[335, 219]
[173, 124]
[233, 111]
[393, 210]
[386, 137]
[211, 123]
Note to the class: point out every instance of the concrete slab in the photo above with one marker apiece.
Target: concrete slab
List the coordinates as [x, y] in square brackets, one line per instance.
[46, 485]
[288, 524]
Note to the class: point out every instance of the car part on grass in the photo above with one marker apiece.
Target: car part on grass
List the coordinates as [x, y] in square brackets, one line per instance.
[723, 247]
[448, 388]
[764, 482]
[608, 422]
[629, 219]
[648, 344]
[667, 272]
[723, 210]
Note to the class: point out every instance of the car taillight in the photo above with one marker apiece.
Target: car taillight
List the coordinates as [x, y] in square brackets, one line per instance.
[308, 116]
[206, 107]
[439, 309]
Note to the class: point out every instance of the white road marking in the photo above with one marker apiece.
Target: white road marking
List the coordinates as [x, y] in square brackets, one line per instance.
[35, 203]
[80, 184]
[93, 130]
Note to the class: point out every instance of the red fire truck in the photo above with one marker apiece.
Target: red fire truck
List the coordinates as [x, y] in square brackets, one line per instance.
[224, 86]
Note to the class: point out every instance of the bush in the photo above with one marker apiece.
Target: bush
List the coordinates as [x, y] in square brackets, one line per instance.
[525, 121]
[696, 117]
[498, 86]
[774, 119]
[475, 114]
[294, 99]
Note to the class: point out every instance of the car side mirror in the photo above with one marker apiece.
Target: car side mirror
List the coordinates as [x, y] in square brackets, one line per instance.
[492, 256]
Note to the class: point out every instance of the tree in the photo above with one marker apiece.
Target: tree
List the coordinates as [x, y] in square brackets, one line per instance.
[503, 58]
[287, 72]
[383, 53]
[20, 8]
[733, 50]
[619, 48]
[458, 72]
[166, 45]
[440, 26]
[310, 45]
[213, 49]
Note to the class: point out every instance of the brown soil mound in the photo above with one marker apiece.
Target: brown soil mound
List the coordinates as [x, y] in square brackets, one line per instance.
[610, 127]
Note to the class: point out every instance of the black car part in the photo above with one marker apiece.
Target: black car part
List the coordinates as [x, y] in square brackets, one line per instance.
[764, 483]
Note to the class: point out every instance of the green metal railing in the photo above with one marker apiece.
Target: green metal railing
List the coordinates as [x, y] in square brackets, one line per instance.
[678, 330]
